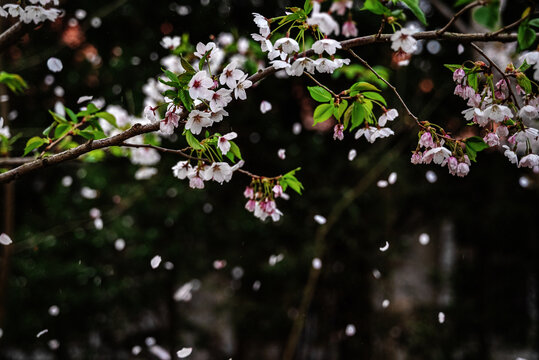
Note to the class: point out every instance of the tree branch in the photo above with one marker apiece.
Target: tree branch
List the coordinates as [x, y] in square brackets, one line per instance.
[138, 129]
[456, 16]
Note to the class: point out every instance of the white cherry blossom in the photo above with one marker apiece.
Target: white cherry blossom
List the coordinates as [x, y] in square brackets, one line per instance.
[330, 46]
[197, 120]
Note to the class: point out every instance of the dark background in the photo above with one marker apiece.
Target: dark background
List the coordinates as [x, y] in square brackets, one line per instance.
[479, 269]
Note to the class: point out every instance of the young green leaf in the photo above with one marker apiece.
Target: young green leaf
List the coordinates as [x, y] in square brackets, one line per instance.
[488, 15]
[61, 130]
[108, 117]
[375, 6]
[358, 115]
[526, 36]
[319, 94]
[474, 145]
[322, 113]
[192, 141]
[375, 96]
[413, 5]
[235, 150]
[338, 111]
[33, 144]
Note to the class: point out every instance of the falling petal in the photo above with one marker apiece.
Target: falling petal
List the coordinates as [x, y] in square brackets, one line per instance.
[431, 176]
[184, 352]
[424, 239]
[317, 263]
[119, 244]
[392, 179]
[352, 154]
[385, 303]
[42, 332]
[385, 247]
[5, 239]
[376, 273]
[54, 310]
[320, 219]
[160, 352]
[55, 64]
[350, 330]
[156, 260]
[441, 317]
[382, 184]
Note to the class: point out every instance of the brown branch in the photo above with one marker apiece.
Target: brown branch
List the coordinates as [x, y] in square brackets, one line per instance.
[165, 150]
[14, 161]
[320, 84]
[456, 16]
[12, 34]
[138, 129]
[74, 153]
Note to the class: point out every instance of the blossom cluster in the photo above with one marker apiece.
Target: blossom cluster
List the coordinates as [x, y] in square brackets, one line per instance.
[285, 54]
[32, 13]
[437, 153]
[261, 199]
[217, 171]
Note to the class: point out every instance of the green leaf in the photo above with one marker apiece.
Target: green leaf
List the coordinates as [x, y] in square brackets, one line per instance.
[375, 96]
[71, 115]
[186, 100]
[524, 83]
[322, 113]
[319, 94]
[108, 117]
[186, 66]
[358, 115]
[235, 150]
[453, 67]
[362, 86]
[192, 141]
[534, 22]
[61, 130]
[33, 144]
[526, 36]
[58, 118]
[347, 117]
[338, 111]
[474, 145]
[308, 6]
[472, 81]
[525, 66]
[88, 134]
[413, 5]
[203, 60]
[48, 130]
[488, 15]
[14, 82]
[462, 2]
[173, 77]
[375, 6]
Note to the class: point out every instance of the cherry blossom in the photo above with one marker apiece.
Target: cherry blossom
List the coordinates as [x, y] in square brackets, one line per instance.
[492, 139]
[426, 140]
[330, 46]
[388, 115]
[498, 113]
[530, 161]
[287, 45]
[262, 24]
[437, 154]
[349, 29]
[171, 43]
[182, 169]
[300, 65]
[528, 113]
[220, 99]
[325, 22]
[230, 76]
[199, 86]
[202, 49]
[403, 39]
[4, 129]
[338, 132]
[508, 153]
[169, 123]
[239, 90]
[197, 120]
[223, 142]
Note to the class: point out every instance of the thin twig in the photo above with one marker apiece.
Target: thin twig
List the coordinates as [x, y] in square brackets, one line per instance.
[459, 13]
[320, 84]
[165, 150]
[382, 24]
[393, 88]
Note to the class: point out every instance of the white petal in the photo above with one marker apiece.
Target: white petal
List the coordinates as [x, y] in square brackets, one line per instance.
[156, 260]
[184, 352]
[5, 239]
[55, 64]
[385, 247]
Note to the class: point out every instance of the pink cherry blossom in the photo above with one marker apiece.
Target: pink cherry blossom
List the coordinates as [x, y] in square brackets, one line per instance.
[338, 132]
[223, 142]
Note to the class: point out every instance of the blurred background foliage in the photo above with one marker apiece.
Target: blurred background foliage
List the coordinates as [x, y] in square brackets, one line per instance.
[479, 268]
